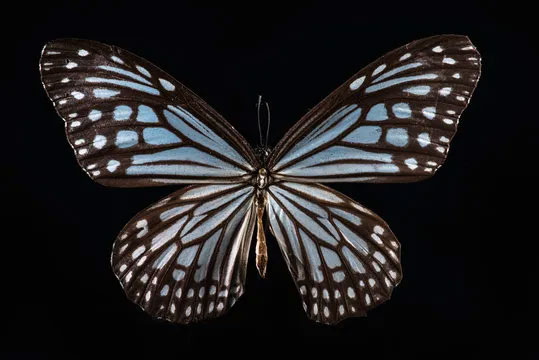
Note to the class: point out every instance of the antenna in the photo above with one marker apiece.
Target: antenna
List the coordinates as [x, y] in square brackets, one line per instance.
[258, 105]
[258, 117]
[269, 122]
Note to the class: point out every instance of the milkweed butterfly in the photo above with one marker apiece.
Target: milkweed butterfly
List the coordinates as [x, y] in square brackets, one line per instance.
[184, 258]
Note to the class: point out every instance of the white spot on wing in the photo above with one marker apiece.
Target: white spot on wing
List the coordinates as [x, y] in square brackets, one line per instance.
[437, 49]
[405, 56]
[143, 71]
[357, 83]
[412, 164]
[117, 59]
[167, 85]
[379, 69]
[448, 60]
[112, 165]
[429, 112]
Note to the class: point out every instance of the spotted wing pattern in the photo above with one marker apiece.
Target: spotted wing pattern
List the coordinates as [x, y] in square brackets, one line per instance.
[391, 122]
[131, 124]
[343, 258]
[184, 259]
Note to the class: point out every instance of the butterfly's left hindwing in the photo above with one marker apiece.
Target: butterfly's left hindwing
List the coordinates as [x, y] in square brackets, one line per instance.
[344, 259]
[391, 122]
[132, 124]
[184, 259]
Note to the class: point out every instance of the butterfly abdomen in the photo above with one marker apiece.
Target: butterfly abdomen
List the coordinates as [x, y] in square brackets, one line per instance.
[261, 248]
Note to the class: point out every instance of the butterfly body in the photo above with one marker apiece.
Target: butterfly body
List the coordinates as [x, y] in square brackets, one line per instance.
[184, 258]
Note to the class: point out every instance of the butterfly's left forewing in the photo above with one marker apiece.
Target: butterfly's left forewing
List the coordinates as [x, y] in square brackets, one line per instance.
[344, 259]
[132, 124]
[184, 259]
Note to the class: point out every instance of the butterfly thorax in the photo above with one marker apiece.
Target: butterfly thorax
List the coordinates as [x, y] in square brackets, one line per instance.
[262, 179]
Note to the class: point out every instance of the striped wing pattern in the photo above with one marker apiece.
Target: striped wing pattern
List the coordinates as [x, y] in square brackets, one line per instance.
[131, 124]
[391, 122]
[344, 259]
[184, 258]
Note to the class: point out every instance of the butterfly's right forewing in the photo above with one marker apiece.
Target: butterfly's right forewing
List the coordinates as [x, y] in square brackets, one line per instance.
[184, 259]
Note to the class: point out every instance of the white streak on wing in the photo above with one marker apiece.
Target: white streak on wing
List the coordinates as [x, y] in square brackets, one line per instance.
[117, 59]
[303, 219]
[197, 131]
[324, 125]
[124, 83]
[208, 163]
[177, 170]
[352, 238]
[301, 201]
[347, 215]
[205, 255]
[143, 71]
[314, 191]
[175, 211]
[397, 70]
[167, 234]
[275, 211]
[125, 73]
[379, 69]
[315, 165]
[418, 90]
[222, 251]
[206, 190]
[314, 259]
[330, 227]
[165, 257]
[105, 93]
[352, 259]
[237, 242]
[320, 136]
[187, 255]
[212, 222]
[189, 225]
[397, 81]
[221, 200]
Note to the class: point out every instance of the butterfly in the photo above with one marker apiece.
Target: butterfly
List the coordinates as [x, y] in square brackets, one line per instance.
[184, 258]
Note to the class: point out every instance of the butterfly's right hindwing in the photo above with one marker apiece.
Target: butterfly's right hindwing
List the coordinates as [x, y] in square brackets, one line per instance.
[131, 124]
[184, 259]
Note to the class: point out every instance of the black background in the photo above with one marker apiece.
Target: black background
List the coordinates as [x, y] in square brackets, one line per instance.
[466, 286]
